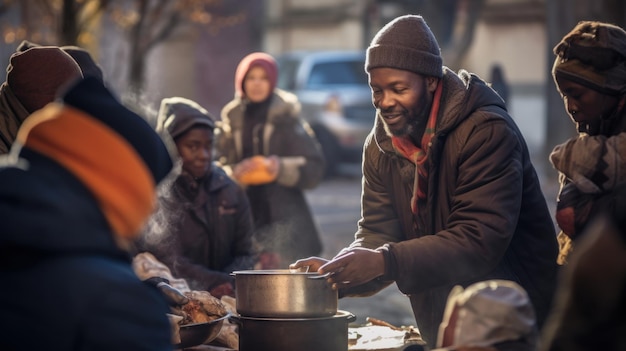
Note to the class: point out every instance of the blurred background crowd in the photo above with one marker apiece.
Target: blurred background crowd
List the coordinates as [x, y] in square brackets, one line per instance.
[149, 50]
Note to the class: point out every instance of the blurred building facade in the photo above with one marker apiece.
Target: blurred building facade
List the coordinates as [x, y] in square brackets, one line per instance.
[509, 33]
[195, 62]
[200, 64]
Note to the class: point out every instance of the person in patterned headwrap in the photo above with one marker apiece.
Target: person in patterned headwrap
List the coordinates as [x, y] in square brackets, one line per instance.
[590, 74]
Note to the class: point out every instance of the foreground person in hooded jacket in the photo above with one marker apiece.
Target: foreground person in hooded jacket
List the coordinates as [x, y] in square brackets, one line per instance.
[450, 196]
[268, 148]
[75, 191]
[203, 228]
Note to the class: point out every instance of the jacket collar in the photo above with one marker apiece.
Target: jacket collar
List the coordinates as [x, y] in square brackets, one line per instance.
[463, 93]
[284, 106]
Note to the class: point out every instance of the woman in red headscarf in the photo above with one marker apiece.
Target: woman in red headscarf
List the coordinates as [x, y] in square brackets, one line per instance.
[269, 149]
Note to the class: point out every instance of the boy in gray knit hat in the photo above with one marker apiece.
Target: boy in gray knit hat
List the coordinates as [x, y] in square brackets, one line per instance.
[590, 74]
[203, 228]
[450, 196]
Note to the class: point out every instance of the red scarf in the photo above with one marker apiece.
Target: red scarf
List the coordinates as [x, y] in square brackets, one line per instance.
[418, 156]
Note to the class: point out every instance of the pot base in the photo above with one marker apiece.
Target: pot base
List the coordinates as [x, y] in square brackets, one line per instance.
[294, 334]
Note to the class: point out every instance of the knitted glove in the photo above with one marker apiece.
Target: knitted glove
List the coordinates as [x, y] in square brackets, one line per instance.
[572, 210]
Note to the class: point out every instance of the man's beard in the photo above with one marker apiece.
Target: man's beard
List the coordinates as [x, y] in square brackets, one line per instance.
[416, 121]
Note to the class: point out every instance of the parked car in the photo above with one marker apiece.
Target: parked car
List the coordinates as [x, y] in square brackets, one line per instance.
[336, 100]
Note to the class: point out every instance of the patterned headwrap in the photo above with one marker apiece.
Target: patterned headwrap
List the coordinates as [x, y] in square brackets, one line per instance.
[593, 54]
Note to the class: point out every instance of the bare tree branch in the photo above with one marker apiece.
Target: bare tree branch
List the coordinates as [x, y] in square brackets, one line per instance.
[5, 5]
[89, 17]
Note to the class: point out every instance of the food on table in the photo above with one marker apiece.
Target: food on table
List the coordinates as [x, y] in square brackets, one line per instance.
[202, 307]
[147, 266]
[229, 336]
[175, 327]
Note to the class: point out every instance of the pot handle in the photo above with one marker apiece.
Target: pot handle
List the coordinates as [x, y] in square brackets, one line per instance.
[351, 317]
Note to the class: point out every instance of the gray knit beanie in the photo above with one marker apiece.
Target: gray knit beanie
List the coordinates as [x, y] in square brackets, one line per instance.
[177, 115]
[406, 43]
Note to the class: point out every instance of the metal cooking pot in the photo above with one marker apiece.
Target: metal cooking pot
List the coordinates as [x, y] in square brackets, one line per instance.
[289, 334]
[283, 294]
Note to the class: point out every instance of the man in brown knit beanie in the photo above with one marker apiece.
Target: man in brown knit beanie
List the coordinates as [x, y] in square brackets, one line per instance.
[450, 196]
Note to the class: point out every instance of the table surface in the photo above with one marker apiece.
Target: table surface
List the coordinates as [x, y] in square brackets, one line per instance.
[371, 338]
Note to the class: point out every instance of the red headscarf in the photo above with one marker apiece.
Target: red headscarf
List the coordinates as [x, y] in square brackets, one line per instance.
[261, 59]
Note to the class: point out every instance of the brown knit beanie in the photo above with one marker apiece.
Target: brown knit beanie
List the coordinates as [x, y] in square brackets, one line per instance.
[85, 61]
[406, 43]
[593, 54]
[36, 74]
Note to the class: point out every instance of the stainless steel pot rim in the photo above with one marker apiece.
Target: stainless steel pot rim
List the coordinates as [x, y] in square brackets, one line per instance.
[273, 272]
[339, 314]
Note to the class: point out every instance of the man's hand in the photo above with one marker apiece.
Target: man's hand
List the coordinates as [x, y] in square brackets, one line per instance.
[311, 264]
[354, 267]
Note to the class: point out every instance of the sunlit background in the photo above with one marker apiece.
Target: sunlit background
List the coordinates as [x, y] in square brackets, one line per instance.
[154, 49]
